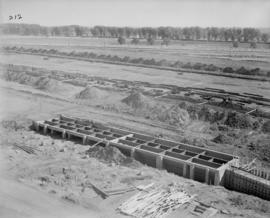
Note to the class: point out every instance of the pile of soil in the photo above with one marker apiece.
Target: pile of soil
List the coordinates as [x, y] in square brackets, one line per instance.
[238, 120]
[223, 139]
[46, 84]
[247, 203]
[210, 115]
[20, 77]
[90, 92]
[203, 113]
[137, 100]
[231, 119]
[40, 82]
[174, 116]
[110, 154]
[12, 125]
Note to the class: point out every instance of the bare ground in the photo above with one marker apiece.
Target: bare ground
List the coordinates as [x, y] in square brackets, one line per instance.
[61, 170]
[54, 182]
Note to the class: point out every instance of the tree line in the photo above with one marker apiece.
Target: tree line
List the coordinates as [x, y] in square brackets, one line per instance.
[173, 33]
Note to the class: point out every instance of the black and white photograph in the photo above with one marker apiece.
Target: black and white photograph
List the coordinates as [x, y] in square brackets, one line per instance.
[134, 108]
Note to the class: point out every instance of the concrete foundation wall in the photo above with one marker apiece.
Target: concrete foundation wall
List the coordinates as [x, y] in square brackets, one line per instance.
[238, 181]
[219, 155]
[199, 174]
[211, 178]
[145, 158]
[173, 166]
[192, 162]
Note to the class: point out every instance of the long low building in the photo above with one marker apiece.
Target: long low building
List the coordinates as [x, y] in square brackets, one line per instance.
[200, 164]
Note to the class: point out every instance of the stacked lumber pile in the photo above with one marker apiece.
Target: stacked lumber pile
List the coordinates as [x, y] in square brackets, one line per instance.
[155, 201]
[26, 148]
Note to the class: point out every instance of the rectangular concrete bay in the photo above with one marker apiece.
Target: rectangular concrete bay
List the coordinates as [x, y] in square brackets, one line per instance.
[200, 164]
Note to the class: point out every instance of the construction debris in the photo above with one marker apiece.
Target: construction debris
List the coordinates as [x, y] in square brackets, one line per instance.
[107, 193]
[25, 148]
[202, 210]
[110, 154]
[155, 201]
[119, 191]
[98, 190]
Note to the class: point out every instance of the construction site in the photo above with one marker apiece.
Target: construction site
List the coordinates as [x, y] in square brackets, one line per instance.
[203, 165]
[105, 126]
[121, 143]
[184, 160]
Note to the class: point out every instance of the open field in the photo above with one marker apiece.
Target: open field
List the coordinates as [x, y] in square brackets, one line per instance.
[133, 98]
[219, 53]
[141, 74]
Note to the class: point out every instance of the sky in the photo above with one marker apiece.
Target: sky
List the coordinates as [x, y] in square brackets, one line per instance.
[138, 13]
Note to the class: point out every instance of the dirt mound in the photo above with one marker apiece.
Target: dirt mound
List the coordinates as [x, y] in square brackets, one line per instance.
[12, 125]
[174, 116]
[110, 154]
[238, 120]
[40, 82]
[90, 92]
[20, 77]
[46, 84]
[208, 114]
[223, 139]
[137, 100]
[248, 203]
[203, 113]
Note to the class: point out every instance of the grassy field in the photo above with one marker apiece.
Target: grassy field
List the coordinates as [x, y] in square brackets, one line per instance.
[218, 53]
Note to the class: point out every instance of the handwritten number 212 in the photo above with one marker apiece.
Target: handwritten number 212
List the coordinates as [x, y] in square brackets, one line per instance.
[15, 17]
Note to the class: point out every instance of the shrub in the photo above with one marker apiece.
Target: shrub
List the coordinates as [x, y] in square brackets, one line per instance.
[242, 70]
[102, 56]
[163, 63]
[228, 70]
[92, 55]
[187, 65]
[126, 59]
[235, 44]
[116, 58]
[255, 71]
[150, 41]
[198, 66]
[121, 40]
[211, 67]
[253, 45]
[166, 41]
[149, 61]
[177, 64]
[135, 41]
[237, 120]
[266, 127]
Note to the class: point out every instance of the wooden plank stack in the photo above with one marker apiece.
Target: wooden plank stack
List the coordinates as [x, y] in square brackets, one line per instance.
[26, 148]
[155, 202]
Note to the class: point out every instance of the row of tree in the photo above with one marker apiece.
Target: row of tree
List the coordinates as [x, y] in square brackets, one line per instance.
[174, 33]
[142, 61]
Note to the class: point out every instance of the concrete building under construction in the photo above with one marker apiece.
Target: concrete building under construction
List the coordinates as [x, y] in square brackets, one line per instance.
[200, 164]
